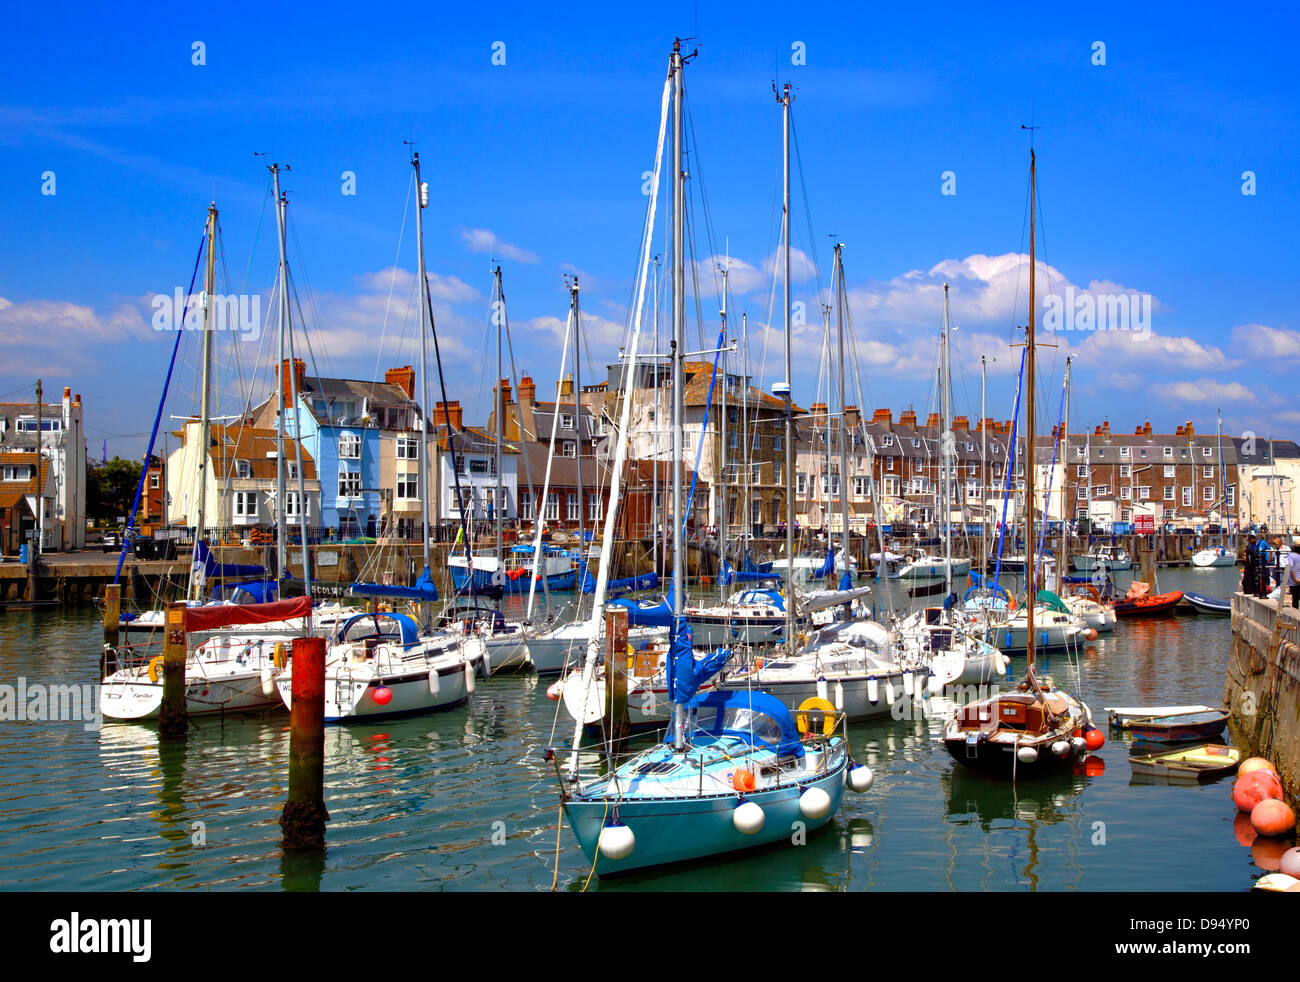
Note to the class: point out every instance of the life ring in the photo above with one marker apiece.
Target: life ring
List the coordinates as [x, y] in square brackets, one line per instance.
[279, 657]
[815, 714]
[155, 664]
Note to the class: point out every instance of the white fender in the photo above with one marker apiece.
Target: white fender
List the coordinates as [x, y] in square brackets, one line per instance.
[268, 679]
[469, 679]
[1026, 755]
[860, 778]
[814, 803]
[748, 817]
[616, 841]
[435, 685]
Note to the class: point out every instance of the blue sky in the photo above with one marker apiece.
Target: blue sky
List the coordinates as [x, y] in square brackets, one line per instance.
[538, 162]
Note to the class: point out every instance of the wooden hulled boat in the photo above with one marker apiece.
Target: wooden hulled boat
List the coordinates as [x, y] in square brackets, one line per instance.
[1206, 762]
[1180, 727]
[1122, 717]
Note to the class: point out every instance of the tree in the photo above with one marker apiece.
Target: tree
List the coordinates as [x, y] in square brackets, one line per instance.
[110, 488]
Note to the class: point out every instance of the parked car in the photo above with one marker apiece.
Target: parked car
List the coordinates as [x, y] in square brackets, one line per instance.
[112, 541]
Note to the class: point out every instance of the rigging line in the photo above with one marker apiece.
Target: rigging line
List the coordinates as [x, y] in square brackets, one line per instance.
[807, 211]
[392, 283]
[257, 235]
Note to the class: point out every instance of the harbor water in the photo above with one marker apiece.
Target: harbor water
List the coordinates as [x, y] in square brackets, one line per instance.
[463, 799]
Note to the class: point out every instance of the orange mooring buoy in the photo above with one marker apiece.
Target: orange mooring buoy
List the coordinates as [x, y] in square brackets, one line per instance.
[1272, 816]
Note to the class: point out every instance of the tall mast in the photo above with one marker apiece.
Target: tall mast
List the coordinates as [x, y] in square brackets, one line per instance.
[1223, 483]
[984, 464]
[281, 530]
[654, 474]
[785, 99]
[1063, 561]
[205, 396]
[840, 298]
[1031, 574]
[946, 449]
[722, 452]
[286, 328]
[583, 552]
[498, 320]
[422, 471]
[679, 333]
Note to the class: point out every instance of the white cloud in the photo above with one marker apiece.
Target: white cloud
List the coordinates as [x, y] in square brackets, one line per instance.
[1204, 390]
[487, 241]
[1151, 352]
[54, 336]
[1274, 346]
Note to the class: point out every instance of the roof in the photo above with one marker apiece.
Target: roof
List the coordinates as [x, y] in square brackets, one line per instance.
[10, 499]
[231, 442]
[19, 457]
[470, 439]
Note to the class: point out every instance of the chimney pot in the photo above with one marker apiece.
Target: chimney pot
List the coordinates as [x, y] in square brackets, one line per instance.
[403, 378]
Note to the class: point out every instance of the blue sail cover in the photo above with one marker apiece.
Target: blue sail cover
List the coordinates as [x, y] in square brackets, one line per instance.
[827, 566]
[641, 613]
[685, 674]
[381, 624]
[247, 592]
[846, 581]
[424, 589]
[212, 569]
[646, 581]
[755, 575]
[715, 710]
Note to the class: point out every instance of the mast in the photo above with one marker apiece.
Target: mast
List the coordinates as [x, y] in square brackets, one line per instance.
[584, 554]
[984, 463]
[1223, 484]
[1031, 570]
[1063, 561]
[40, 485]
[422, 470]
[840, 299]
[286, 327]
[500, 412]
[945, 452]
[785, 99]
[722, 452]
[281, 531]
[678, 337]
[654, 474]
[205, 392]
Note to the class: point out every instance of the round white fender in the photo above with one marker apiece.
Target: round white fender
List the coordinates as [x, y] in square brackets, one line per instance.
[1027, 755]
[814, 803]
[748, 817]
[1079, 744]
[469, 679]
[268, 680]
[616, 841]
[860, 778]
[1061, 747]
[435, 685]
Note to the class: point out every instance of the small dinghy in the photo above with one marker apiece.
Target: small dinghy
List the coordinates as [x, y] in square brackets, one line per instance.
[1121, 717]
[1206, 604]
[1140, 602]
[1206, 762]
[1180, 727]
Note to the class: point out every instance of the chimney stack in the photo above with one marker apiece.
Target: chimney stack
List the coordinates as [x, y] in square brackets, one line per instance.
[907, 418]
[566, 387]
[960, 423]
[1189, 429]
[403, 378]
[448, 413]
[884, 416]
[851, 416]
[932, 421]
[299, 377]
[527, 390]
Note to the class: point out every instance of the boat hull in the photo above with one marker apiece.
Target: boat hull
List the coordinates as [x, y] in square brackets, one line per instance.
[676, 829]
[485, 579]
[999, 759]
[142, 700]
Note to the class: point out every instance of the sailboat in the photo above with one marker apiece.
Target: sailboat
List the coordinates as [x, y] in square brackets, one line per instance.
[1038, 727]
[228, 669]
[1219, 555]
[381, 663]
[734, 770]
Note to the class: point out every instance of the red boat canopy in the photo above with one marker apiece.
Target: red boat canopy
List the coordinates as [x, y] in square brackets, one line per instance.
[229, 615]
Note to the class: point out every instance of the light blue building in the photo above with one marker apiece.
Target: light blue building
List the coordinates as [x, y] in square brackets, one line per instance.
[349, 427]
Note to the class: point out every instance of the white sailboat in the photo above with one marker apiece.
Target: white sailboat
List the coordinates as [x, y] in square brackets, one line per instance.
[1219, 555]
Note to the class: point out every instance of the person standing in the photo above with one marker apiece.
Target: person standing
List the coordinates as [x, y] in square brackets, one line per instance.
[1293, 572]
[1250, 571]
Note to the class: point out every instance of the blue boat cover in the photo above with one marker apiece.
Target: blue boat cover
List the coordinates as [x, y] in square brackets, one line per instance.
[846, 581]
[755, 575]
[827, 566]
[212, 569]
[646, 581]
[424, 589]
[247, 592]
[685, 674]
[757, 596]
[408, 629]
[642, 613]
[714, 710]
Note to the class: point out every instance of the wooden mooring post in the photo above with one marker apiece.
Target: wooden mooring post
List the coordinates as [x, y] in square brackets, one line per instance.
[617, 725]
[173, 720]
[112, 629]
[1262, 688]
[303, 820]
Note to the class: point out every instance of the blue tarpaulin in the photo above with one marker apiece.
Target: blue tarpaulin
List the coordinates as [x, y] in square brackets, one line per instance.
[641, 613]
[424, 589]
[646, 581]
[685, 673]
[212, 569]
[730, 575]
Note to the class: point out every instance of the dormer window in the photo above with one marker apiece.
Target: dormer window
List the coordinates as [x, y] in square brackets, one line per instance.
[1124, 451]
[887, 440]
[1169, 453]
[566, 422]
[243, 469]
[1205, 450]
